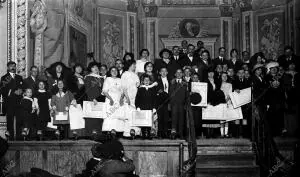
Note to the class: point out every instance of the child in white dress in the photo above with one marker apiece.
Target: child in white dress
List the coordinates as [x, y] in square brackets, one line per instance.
[112, 89]
[227, 89]
[130, 82]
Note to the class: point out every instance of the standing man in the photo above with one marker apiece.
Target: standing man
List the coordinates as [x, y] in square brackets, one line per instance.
[288, 57]
[189, 59]
[11, 90]
[221, 60]
[246, 57]
[32, 80]
[178, 92]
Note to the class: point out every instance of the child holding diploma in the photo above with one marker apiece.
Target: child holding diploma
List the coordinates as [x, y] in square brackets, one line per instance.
[60, 104]
[146, 100]
[28, 110]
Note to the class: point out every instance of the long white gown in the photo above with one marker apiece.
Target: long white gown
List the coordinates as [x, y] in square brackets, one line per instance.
[130, 81]
[114, 114]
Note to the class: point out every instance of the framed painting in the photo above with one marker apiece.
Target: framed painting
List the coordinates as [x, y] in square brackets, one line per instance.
[111, 37]
[78, 47]
[270, 26]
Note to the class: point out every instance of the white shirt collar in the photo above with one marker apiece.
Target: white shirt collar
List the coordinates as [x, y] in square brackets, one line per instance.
[164, 78]
[41, 91]
[26, 97]
[60, 95]
[94, 75]
[32, 78]
[13, 75]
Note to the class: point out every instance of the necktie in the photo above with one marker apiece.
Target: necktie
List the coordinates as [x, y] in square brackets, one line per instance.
[13, 75]
[166, 87]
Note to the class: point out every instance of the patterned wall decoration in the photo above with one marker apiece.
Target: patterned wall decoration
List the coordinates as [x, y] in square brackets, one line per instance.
[131, 34]
[21, 36]
[188, 28]
[111, 38]
[247, 33]
[225, 34]
[271, 34]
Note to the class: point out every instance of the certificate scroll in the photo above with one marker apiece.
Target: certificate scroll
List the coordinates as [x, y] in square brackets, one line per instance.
[201, 88]
[242, 98]
[90, 110]
[142, 118]
[61, 118]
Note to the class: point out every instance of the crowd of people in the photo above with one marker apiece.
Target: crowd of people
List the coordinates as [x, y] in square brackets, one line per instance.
[162, 85]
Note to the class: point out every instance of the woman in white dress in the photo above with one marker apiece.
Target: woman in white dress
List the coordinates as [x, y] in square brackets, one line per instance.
[130, 82]
[112, 89]
[140, 64]
[227, 89]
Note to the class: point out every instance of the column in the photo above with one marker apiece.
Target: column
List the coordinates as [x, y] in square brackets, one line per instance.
[38, 24]
[226, 27]
[19, 35]
[248, 32]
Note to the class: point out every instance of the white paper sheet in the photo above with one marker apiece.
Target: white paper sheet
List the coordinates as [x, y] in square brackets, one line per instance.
[221, 112]
[90, 110]
[50, 124]
[201, 88]
[61, 116]
[142, 118]
[242, 98]
[76, 117]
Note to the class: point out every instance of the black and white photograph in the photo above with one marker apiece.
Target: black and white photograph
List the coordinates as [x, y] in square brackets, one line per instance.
[149, 88]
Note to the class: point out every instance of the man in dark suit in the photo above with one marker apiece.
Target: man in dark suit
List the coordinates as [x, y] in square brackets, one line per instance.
[203, 65]
[189, 59]
[178, 94]
[11, 89]
[221, 59]
[240, 82]
[176, 54]
[166, 61]
[32, 80]
[288, 57]
[162, 102]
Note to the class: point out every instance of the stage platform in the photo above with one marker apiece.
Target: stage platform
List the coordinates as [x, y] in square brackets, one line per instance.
[156, 158]
[152, 158]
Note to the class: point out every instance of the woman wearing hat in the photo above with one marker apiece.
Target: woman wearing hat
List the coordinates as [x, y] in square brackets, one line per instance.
[166, 61]
[275, 99]
[108, 160]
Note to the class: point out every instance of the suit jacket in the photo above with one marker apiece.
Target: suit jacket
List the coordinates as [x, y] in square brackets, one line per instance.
[203, 69]
[178, 59]
[259, 88]
[172, 66]
[146, 98]
[185, 61]
[30, 83]
[237, 65]
[162, 96]
[8, 86]
[217, 61]
[282, 60]
[178, 92]
[239, 85]
[117, 168]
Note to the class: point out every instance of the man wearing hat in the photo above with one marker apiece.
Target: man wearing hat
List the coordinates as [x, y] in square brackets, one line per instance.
[11, 89]
[166, 61]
